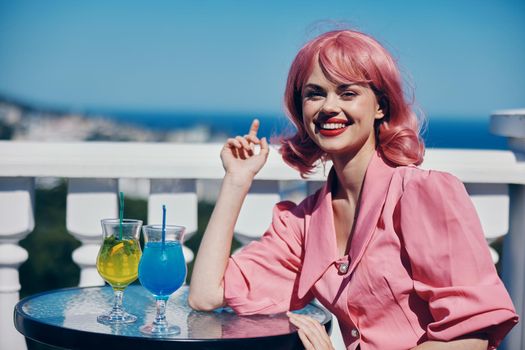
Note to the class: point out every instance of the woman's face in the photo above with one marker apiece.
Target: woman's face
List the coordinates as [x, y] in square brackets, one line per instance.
[339, 118]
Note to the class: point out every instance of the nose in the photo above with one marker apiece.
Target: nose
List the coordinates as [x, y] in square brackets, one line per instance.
[331, 105]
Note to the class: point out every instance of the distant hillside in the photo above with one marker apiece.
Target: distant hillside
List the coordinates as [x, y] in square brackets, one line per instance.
[23, 121]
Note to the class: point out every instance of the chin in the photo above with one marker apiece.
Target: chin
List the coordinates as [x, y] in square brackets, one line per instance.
[345, 148]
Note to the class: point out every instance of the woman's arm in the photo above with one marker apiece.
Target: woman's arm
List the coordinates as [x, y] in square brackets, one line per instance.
[450, 262]
[241, 164]
[461, 344]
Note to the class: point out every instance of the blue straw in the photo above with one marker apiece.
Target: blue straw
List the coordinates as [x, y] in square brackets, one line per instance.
[163, 225]
[121, 214]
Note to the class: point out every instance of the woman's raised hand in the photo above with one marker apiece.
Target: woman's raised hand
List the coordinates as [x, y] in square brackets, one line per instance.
[241, 161]
[239, 156]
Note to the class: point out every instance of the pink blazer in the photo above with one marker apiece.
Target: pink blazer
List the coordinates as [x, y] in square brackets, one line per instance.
[418, 265]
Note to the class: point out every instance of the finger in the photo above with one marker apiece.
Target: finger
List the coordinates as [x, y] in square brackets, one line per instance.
[235, 148]
[304, 339]
[242, 152]
[313, 329]
[235, 152]
[313, 338]
[248, 148]
[306, 324]
[254, 127]
[265, 149]
[252, 139]
[259, 146]
[233, 143]
[245, 144]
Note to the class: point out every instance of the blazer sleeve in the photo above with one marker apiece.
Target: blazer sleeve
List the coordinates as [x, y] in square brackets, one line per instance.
[262, 278]
[450, 261]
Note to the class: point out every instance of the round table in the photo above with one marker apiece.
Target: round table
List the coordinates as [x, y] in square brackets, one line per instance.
[67, 318]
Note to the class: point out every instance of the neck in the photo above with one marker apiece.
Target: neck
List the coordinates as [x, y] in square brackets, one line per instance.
[351, 172]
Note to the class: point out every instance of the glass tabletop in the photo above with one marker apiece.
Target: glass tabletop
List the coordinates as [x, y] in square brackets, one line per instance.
[73, 312]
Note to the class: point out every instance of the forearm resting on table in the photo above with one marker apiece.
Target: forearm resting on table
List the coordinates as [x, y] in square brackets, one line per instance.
[460, 344]
[206, 287]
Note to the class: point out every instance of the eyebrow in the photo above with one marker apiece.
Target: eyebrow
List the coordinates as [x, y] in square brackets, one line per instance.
[340, 87]
[313, 87]
[346, 86]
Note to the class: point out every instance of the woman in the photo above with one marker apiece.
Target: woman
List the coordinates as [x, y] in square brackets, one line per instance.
[395, 252]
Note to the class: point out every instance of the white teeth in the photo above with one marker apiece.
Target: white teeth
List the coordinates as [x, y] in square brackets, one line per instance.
[332, 126]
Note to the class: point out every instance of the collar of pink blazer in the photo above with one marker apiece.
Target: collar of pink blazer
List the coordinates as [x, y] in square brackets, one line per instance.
[373, 195]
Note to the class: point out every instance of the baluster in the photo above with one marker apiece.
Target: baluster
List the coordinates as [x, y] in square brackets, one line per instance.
[511, 124]
[256, 212]
[16, 216]
[180, 198]
[89, 201]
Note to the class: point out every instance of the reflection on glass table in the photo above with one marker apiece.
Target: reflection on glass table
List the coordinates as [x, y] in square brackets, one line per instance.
[68, 318]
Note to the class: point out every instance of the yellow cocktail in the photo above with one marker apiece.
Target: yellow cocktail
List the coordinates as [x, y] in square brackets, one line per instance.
[118, 261]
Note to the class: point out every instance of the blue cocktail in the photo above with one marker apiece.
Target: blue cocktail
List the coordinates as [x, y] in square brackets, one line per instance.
[162, 270]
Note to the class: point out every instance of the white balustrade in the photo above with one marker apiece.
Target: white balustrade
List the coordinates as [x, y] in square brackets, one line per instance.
[511, 124]
[495, 181]
[256, 213]
[17, 220]
[180, 198]
[89, 201]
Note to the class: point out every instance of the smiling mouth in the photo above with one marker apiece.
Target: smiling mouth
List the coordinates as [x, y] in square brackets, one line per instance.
[332, 126]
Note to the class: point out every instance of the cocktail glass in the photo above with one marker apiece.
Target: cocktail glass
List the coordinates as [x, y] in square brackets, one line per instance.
[117, 263]
[162, 270]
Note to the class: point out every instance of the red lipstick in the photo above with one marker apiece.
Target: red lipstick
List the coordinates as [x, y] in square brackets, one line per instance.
[332, 132]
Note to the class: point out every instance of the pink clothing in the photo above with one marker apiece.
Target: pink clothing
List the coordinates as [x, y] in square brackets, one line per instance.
[419, 266]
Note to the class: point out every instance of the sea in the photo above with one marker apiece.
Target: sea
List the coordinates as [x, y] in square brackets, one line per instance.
[440, 131]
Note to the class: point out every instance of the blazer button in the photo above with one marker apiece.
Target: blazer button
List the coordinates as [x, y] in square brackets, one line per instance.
[354, 332]
[343, 268]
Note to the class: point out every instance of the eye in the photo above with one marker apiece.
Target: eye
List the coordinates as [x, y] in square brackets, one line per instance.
[313, 94]
[348, 94]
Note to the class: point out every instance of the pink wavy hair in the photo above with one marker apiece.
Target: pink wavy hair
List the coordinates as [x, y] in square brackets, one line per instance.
[350, 56]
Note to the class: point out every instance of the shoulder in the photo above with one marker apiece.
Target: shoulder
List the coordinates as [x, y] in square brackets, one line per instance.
[304, 207]
[412, 178]
[293, 215]
[433, 195]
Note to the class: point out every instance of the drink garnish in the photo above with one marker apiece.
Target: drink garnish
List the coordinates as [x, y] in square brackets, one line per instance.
[117, 247]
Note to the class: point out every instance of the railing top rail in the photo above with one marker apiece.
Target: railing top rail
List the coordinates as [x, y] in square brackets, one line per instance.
[201, 161]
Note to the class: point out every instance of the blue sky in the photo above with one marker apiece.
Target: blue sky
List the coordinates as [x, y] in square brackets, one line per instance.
[463, 57]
